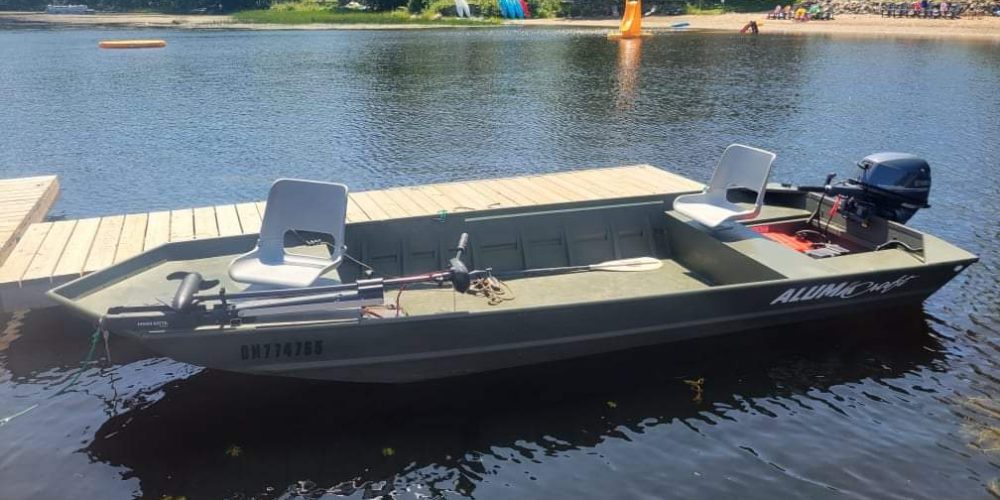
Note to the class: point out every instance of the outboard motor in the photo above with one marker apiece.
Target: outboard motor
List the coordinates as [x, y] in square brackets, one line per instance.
[892, 186]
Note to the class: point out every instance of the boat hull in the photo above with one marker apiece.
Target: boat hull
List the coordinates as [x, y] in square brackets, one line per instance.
[416, 349]
[709, 282]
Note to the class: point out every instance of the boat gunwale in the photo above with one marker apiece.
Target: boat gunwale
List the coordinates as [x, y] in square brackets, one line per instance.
[249, 328]
[72, 301]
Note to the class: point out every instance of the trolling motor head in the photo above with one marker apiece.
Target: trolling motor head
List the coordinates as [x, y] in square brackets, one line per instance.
[892, 186]
[459, 273]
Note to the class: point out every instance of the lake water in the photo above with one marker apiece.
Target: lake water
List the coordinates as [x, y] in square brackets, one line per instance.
[897, 405]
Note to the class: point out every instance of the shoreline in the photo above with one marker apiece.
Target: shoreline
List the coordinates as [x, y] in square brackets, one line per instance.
[186, 21]
[985, 28]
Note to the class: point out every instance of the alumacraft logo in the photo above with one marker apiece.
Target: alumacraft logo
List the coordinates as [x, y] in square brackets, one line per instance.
[842, 290]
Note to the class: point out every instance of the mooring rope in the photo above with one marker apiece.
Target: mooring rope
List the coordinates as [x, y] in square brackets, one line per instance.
[492, 288]
[94, 339]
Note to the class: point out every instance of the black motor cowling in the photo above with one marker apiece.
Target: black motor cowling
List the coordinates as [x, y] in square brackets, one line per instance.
[889, 185]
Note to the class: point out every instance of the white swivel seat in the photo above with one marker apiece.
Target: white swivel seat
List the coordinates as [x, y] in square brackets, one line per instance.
[318, 207]
[740, 167]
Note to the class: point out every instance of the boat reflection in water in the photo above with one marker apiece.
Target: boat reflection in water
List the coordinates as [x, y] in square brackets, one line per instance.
[221, 434]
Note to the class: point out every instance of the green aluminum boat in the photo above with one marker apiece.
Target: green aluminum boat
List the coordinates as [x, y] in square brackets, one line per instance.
[419, 298]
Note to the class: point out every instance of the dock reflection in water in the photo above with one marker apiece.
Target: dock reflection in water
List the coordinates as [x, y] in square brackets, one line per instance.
[216, 434]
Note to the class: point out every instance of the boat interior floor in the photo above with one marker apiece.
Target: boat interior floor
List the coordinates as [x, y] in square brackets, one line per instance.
[554, 290]
[547, 290]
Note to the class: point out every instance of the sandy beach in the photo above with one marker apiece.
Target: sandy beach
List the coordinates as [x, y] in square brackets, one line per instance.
[983, 28]
[970, 28]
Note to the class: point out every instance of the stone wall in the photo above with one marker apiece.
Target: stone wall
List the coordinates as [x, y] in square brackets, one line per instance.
[863, 7]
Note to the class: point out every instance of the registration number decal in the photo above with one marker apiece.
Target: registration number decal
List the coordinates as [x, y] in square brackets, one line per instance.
[281, 350]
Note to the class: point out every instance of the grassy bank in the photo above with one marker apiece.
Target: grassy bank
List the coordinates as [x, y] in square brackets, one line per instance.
[692, 10]
[344, 16]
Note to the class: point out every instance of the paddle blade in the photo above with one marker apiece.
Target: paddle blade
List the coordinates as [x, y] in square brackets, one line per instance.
[636, 264]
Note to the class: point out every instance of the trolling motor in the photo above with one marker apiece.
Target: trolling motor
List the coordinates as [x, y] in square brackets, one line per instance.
[188, 308]
[892, 186]
[458, 271]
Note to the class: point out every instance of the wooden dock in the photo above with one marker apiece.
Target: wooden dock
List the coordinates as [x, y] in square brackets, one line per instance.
[52, 253]
[23, 202]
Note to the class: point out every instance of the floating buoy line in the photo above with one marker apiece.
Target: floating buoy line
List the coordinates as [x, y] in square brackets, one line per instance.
[132, 44]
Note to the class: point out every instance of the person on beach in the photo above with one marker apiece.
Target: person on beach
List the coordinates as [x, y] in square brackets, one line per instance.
[786, 13]
[813, 11]
[800, 14]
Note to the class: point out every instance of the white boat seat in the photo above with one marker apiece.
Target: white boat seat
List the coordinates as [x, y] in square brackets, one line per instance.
[740, 167]
[295, 205]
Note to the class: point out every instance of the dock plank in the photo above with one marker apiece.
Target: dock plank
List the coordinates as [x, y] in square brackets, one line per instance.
[426, 203]
[641, 181]
[370, 206]
[537, 184]
[354, 212]
[491, 198]
[386, 203]
[45, 260]
[580, 192]
[182, 224]
[133, 236]
[567, 192]
[102, 253]
[663, 180]
[157, 230]
[445, 202]
[228, 220]
[405, 202]
[23, 201]
[20, 259]
[616, 189]
[515, 197]
[534, 197]
[463, 199]
[249, 217]
[599, 190]
[205, 225]
[74, 256]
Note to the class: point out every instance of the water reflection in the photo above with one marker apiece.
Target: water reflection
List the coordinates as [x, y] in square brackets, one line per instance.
[42, 346]
[221, 434]
[805, 411]
[629, 61]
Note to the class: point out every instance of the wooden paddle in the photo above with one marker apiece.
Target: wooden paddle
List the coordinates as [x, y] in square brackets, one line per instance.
[635, 264]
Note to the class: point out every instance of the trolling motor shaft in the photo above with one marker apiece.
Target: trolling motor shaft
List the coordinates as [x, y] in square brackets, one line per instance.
[187, 308]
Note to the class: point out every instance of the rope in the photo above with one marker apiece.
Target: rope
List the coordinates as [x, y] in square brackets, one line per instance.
[492, 288]
[368, 270]
[94, 339]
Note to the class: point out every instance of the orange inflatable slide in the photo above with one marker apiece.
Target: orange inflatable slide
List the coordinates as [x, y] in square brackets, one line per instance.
[631, 26]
